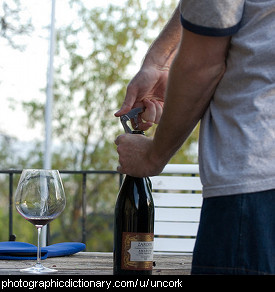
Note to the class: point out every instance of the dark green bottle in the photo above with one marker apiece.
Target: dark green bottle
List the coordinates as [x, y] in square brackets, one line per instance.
[134, 228]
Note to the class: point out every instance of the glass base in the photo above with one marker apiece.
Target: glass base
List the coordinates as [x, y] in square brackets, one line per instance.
[38, 269]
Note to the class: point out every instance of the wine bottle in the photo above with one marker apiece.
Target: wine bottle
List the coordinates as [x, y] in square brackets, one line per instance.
[134, 227]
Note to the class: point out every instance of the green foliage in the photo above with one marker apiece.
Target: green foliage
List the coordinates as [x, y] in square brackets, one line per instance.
[94, 63]
[13, 24]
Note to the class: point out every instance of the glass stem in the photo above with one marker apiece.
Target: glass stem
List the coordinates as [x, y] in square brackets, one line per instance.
[38, 246]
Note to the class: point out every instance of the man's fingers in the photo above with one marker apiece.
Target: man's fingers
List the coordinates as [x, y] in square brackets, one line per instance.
[150, 111]
[159, 111]
[153, 111]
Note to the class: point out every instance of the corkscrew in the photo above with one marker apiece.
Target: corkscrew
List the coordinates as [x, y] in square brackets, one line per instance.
[132, 114]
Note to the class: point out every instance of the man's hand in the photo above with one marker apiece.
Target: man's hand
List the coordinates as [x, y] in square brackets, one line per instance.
[136, 156]
[146, 90]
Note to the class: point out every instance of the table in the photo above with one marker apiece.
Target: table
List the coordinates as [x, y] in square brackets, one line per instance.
[96, 263]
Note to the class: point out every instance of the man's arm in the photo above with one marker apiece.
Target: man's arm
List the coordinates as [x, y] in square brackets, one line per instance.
[194, 74]
[163, 49]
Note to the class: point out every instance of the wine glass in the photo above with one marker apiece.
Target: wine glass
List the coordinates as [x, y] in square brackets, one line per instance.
[40, 198]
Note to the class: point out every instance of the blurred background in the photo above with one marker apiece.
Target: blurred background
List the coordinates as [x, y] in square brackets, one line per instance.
[99, 47]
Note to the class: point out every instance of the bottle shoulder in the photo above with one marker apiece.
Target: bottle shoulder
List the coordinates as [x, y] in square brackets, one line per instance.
[136, 184]
[136, 192]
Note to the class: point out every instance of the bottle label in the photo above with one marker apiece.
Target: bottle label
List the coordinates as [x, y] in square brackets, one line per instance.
[137, 251]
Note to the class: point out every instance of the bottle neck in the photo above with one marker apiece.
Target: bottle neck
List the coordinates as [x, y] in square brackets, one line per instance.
[138, 132]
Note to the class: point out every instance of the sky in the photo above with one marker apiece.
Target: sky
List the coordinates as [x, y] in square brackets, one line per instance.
[24, 74]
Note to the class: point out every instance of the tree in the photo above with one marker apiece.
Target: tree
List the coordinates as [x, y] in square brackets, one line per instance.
[94, 55]
[13, 24]
[93, 61]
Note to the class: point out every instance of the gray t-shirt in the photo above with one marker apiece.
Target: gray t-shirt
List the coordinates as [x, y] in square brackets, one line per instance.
[237, 139]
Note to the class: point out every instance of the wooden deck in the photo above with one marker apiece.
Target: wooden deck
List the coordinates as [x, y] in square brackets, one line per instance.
[92, 263]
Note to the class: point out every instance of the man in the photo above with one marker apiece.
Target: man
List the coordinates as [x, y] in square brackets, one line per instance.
[223, 74]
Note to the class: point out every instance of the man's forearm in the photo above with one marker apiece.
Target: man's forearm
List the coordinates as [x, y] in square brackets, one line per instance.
[163, 49]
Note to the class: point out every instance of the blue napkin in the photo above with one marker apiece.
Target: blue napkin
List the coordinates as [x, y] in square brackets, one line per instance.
[14, 250]
[64, 248]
